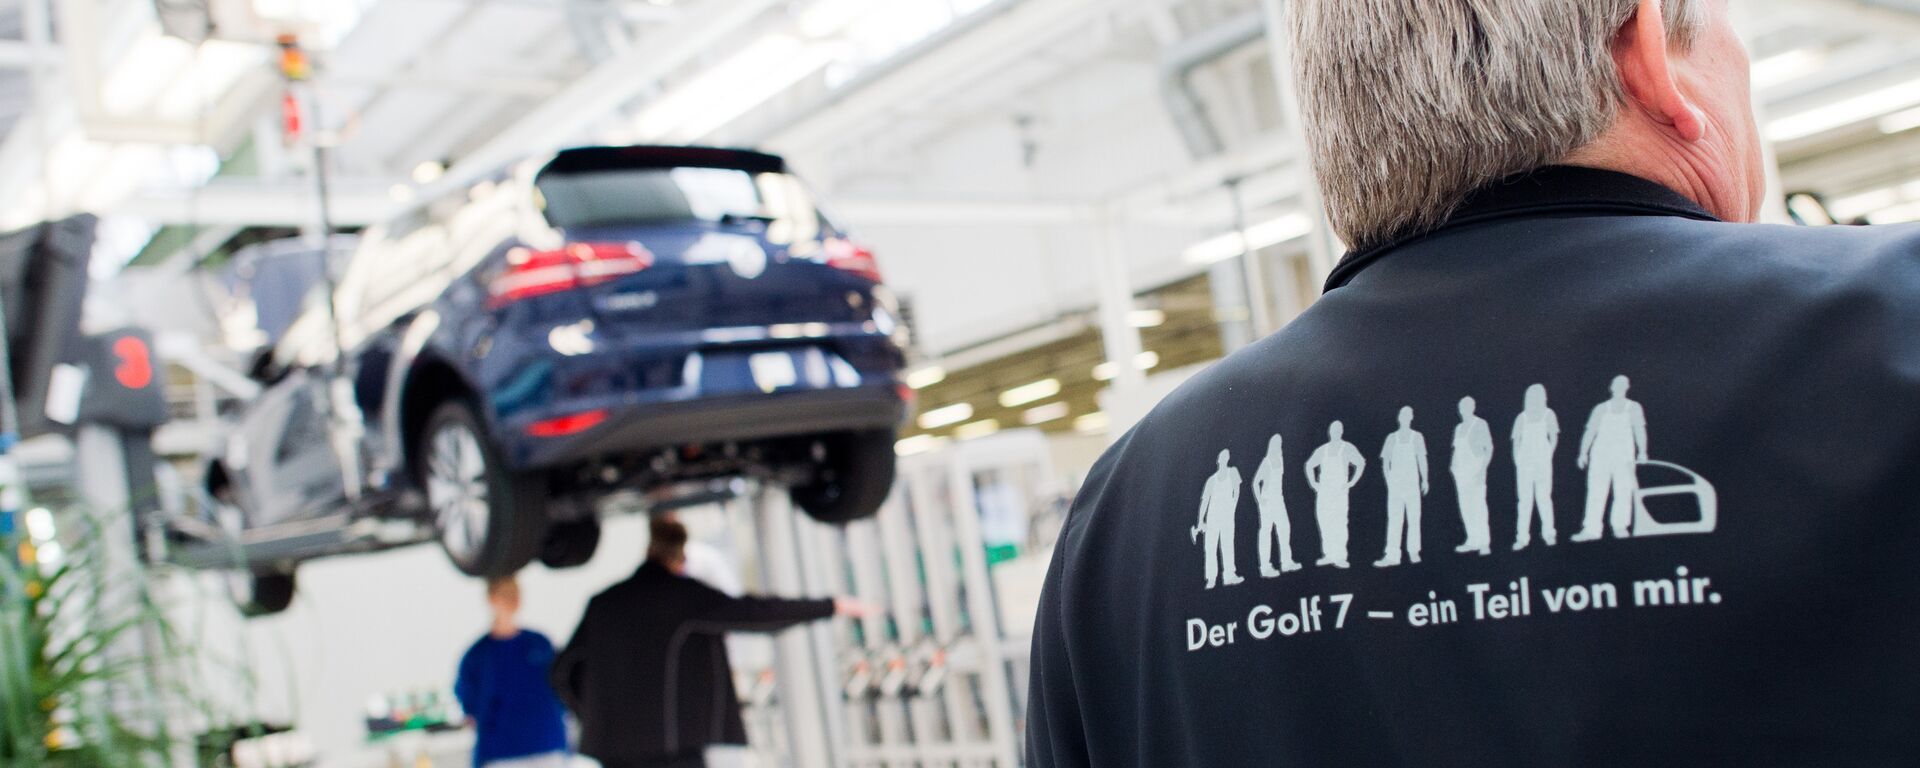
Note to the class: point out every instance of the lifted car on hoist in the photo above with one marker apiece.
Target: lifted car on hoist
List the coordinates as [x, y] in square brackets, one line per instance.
[617, 319]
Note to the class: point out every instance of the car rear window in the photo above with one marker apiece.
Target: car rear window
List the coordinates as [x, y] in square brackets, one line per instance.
[644, 195]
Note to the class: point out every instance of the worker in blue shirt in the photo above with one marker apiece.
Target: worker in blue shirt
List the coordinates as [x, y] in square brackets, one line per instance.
[503, 687]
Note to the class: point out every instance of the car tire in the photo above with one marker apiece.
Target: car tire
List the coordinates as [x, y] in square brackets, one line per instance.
[571, 544]
[263, 593]
[853, 480]
[490, 521]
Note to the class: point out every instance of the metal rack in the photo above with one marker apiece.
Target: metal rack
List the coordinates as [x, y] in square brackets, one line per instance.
[932, 678]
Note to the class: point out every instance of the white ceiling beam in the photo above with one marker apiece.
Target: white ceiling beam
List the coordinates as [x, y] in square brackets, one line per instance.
[922, 212]
[512, 85]
[973, 49]
[604, 89]
[15, 54]
[249, 203]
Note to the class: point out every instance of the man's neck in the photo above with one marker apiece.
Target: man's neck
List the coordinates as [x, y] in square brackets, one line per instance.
[1694, 170]
[503, 630]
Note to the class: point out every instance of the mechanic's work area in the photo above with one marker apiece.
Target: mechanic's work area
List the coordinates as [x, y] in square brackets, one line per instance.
[856, 383]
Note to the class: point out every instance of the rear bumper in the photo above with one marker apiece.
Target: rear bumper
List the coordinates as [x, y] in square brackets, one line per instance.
[652, 426]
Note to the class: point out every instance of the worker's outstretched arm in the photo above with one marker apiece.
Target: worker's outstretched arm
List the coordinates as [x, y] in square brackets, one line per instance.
[752, 613]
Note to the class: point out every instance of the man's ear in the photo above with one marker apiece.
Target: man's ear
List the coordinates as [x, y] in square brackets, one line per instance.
[1641, 53]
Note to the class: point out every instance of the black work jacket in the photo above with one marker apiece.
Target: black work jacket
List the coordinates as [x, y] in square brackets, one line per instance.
[647, 672]
[1735, 577]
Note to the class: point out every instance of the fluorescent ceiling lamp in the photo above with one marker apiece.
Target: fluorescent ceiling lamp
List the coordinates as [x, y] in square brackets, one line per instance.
[946, 416]
[1845, 112]
[427, 172]
[1044, 414]
[1265, 234]
[1786, 67]
[1896, 214]
[1091, 423]
[1144, 361]
[217, 65]
[917, 444]
[825, 18]
[976, 430]
[926, 377]
[1027, 393]
[714, 97]
[1146, 318]
[153, 62]
[332, 19]
[1901, 122]
[891, 26]
[1855, 206]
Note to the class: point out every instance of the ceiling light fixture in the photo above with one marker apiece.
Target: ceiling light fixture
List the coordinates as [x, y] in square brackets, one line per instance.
[1044, 414]
[1145, 361]
[1092, 423]
[976, 430]
[945, 416]
[917, 444]
[926, 377]
[1146, 318]
[1027, 393]
[1265, 234]
[427, 172]
[1786, 67]
[1845, 112]
[1900, 122]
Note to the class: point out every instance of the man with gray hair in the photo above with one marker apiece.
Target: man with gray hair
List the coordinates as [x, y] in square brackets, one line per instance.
[1554, 194]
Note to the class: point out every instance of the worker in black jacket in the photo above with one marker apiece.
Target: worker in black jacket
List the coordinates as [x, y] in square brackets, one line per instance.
[647, 672]
[1556, 288]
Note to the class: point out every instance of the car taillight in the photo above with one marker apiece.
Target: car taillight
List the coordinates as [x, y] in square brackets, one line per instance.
[844, 254]
[572, 423]
[535, 273]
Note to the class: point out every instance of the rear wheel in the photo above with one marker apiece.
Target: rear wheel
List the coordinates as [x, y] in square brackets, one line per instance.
[571, 544]
[853, 479]
[491, 521]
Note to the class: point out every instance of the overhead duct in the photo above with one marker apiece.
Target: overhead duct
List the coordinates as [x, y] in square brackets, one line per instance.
[1184, 106]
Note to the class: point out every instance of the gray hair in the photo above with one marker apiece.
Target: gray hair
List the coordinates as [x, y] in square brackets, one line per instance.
[1408, 105]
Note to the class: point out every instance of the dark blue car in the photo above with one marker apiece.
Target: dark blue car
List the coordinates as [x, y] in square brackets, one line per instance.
[629, 321]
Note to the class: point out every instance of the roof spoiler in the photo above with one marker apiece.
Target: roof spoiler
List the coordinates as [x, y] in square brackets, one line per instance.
[590, 159]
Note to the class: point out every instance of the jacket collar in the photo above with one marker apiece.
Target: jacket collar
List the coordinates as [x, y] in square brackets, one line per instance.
[1552, 189]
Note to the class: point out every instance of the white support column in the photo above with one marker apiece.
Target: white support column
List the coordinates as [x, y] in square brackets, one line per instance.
[1322, 248]
[909, 601]
[1117, 335]
[1260, 309]
[802, 692]
[996, 695]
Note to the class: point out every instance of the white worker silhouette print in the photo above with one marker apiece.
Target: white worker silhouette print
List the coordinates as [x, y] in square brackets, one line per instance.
[1219, 501]
[1332, 471]
[1614, 445]
[1622, 483]
[1536, 433]
[1472, 454]
[1274, 526]
[1403, 459]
